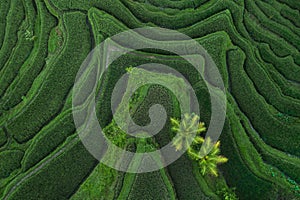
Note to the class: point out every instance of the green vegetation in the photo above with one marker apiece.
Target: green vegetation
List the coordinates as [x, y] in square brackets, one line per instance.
[186, 129]
[48, 139]
[3, 137]
[189, 130]
[209, 157]
[255, 45]
[55, 40]
[227, 194]
[10, 161]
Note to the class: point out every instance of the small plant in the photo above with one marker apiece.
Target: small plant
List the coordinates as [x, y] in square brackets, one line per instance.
[29, 35]
[129, 69]
[227, 193]
[283, 116]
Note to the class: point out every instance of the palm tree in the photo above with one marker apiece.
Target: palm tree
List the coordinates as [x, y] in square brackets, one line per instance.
[187, 130]
[208, 158]
[188, 136]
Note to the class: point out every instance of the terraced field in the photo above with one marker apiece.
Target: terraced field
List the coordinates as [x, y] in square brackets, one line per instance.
[255, 45]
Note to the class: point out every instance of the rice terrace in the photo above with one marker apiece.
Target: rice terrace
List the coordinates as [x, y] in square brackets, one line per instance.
[150, 99]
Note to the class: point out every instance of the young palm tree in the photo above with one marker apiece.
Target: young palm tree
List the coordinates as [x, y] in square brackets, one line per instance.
[186, 130]
[188, 136]
[208, 160]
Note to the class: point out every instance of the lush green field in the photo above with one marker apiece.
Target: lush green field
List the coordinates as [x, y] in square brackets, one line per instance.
[255, 45]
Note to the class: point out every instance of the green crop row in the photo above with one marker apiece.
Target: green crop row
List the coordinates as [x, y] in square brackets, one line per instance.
[160, 95]
[148, 186]
[35, 62]
[3, 137]
[272, 94]
[264, 85]
[30, 13]
[118, 68]
[285, 163]
[284, 66]
[252, 159]
[156, 95]
[277, 44]
[135, 13]
[185, 183]
[101, 184]
[162, 19]
[15, 17]
[152, 8]
[273, 10]
[66, 170]
[116, 8]
[4, 8]
[287, 88]
[105, 182]
[280, 30]
[237, 174]
[290, 14]
[268, 154]
[271, 134]
[48, 139]
[181, 5]
[293, 4]
[204, 100]
[10, 161]
[250, 155]
[18, 55]
[257, 111]
[134, 184]
[208, 186]
[21, 51]
[63, 70]
[108, 23]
